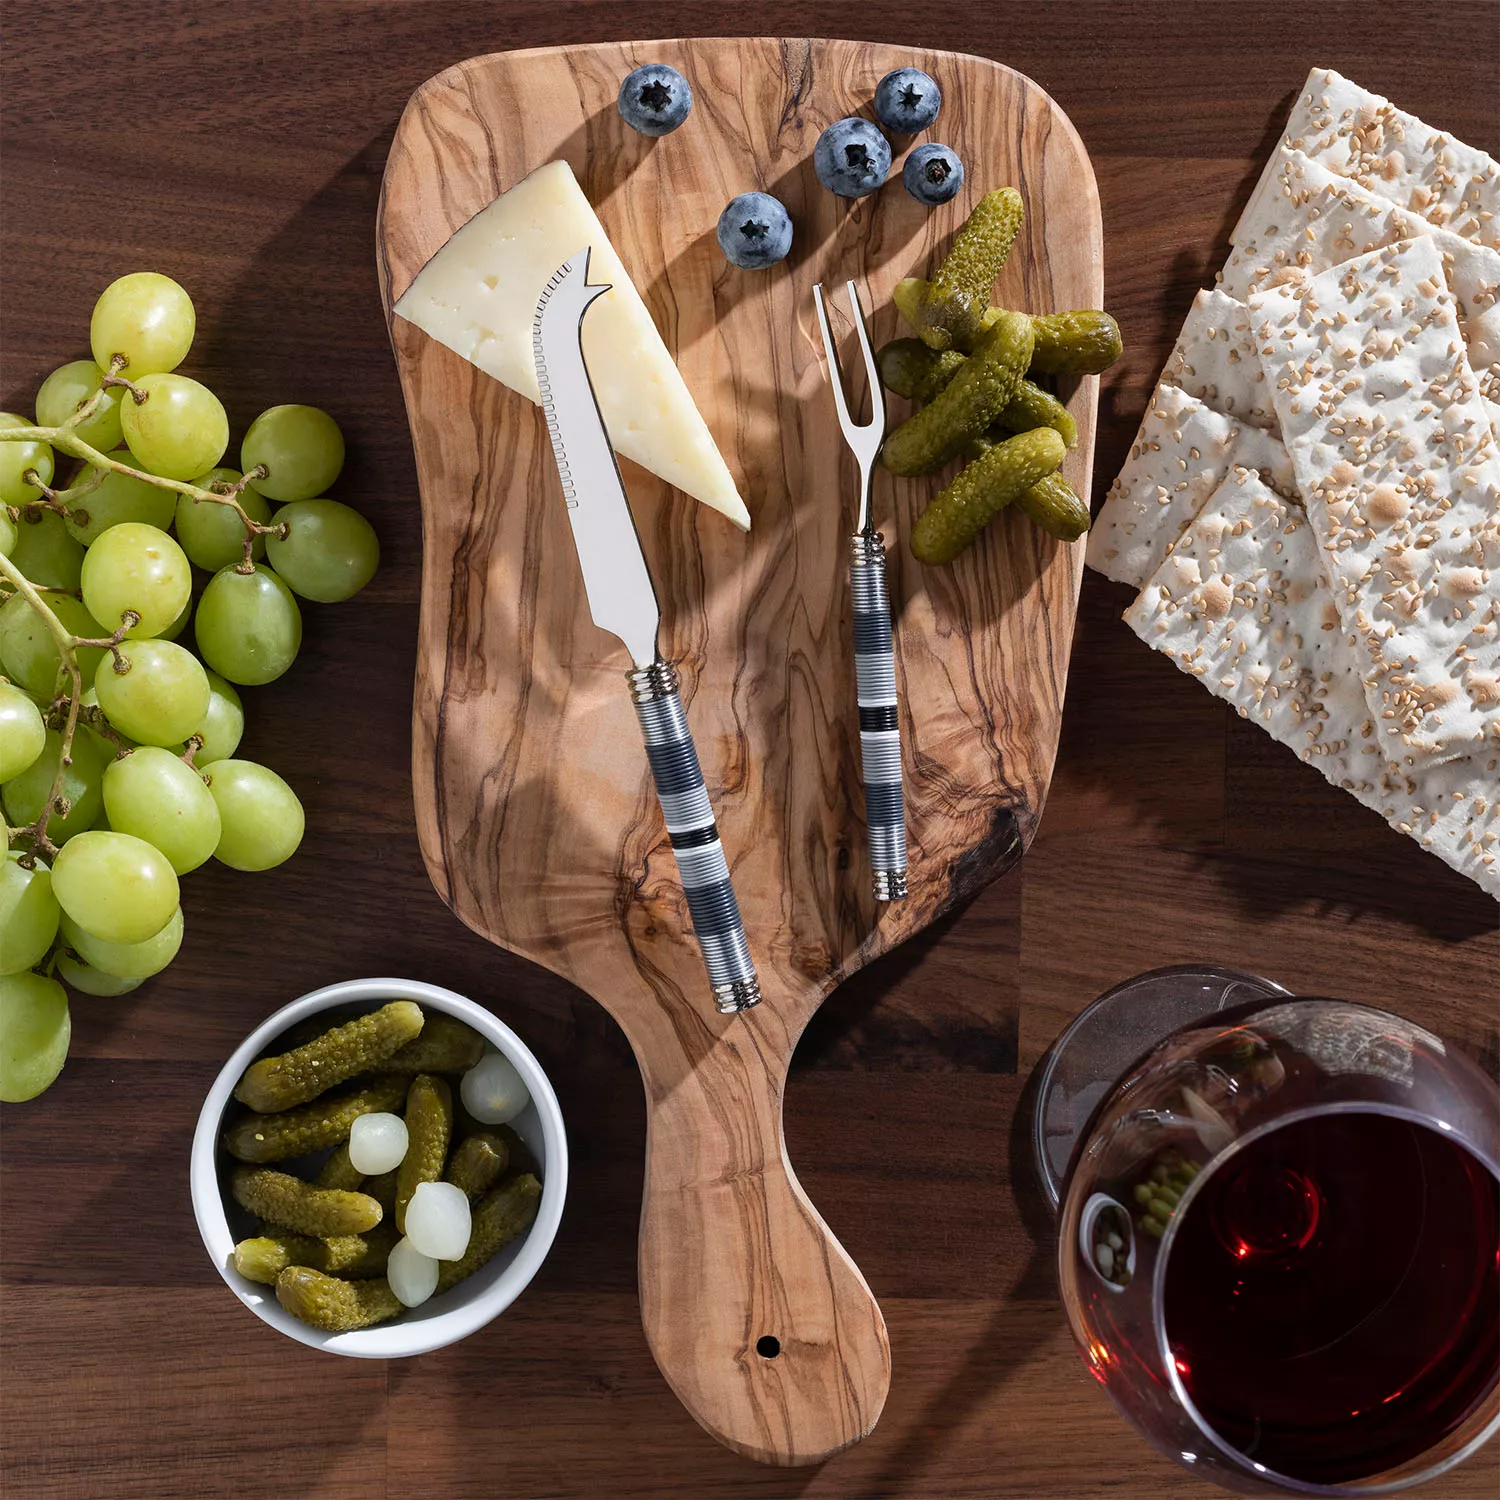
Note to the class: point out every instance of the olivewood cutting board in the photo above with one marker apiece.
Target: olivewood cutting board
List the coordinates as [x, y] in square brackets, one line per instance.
[534, 805]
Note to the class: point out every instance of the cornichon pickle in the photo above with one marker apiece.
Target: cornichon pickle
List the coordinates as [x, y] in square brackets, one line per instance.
[1031, 407]
[360, 1255]
[339, 1172]
[446, 1045]
[975, 396]
[284, 1199]
[947, 310]
[909, 368]
[521, 1158]
[429, 1128]
[310, 1127]
[478, 1163]
[963, 508]
[303, 1073]
[502, 1214]
[1082, 342]
[266, 1256]
[382, 1189]
[1052, 504]
[335, 1306]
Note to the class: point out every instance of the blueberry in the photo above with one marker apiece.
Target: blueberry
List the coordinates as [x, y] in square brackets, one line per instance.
[933, 173]
[655, 99]
[755, 231]
[852, 158]
[907, 101]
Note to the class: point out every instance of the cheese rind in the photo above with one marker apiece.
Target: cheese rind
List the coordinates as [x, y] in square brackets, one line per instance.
[478, 296]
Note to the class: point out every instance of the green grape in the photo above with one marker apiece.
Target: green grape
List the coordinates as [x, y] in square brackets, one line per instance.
[88, 980]
[301, 447]
[135, 961]
[178, 625]
[17, 457]
[179, 430]
[115, 886]
[136, 567]
[25, 795]
[222, 725]
[262, 818]
[43, 550]
[213, 536]
[330, 552]
[160, 699]
[34, 1032]
[28, 914]
[159, 798]
[22, 733]
[28, 651]
[120, 498]
[7, 534]
[146, 317]
[248, 626]
[66, 389]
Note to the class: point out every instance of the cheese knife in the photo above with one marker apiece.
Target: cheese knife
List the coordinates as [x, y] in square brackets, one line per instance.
[623, 601]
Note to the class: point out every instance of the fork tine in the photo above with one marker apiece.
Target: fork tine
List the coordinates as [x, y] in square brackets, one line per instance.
[835, 372]
[872, 370]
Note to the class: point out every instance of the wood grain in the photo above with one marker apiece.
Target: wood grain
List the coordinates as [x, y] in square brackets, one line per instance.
[1173, 830]
[533, 800]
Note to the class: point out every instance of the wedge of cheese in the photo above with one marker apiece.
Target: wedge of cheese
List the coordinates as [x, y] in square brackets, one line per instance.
[478, 297]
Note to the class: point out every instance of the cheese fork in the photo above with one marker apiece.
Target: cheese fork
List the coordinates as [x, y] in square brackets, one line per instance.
[874, 653]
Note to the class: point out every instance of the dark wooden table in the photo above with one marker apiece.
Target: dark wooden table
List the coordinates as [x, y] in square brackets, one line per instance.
[240, 148]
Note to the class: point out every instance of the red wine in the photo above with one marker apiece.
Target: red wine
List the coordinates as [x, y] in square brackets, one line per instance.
[1332, 1298]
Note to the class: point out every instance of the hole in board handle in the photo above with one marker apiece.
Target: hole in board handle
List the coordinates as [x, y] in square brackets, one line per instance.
[768, 1346]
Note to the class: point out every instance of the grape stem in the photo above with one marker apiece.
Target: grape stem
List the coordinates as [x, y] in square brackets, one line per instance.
[129, 619]
[65, 437]
[67, 644]
[92, 716]
[140, 397]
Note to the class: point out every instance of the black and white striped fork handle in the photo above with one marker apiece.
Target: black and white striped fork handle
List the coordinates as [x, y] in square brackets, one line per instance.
[695, 837]
[879, 725]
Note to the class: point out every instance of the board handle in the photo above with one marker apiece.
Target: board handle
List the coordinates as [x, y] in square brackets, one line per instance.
[758, 1318]
[879, 716]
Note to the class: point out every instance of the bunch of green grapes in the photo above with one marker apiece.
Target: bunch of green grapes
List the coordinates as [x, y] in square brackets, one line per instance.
[118, 771]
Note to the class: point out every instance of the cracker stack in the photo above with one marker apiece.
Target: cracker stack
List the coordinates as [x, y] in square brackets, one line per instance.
[1311, 510]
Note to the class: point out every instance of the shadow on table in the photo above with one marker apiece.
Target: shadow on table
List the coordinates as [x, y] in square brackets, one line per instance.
[997, 1355]
[1286, 840]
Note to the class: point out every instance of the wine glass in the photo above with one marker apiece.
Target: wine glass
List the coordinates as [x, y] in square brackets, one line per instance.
[1279, 1236]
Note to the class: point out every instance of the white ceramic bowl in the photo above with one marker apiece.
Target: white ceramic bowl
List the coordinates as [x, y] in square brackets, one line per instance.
[473, 1302]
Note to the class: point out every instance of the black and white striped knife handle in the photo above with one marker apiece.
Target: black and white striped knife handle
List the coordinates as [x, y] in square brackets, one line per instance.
[879, 726]
[695, 837]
